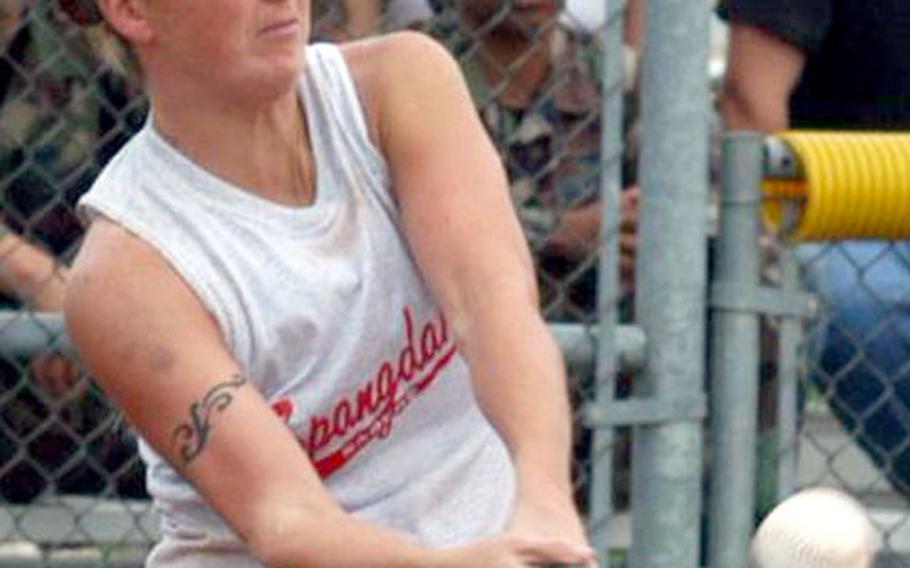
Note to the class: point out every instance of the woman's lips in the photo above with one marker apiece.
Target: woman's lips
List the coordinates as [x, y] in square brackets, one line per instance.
[279, 28]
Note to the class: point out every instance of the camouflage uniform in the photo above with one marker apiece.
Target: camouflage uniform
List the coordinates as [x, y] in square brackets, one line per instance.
[551, 147]
[551, 150]
[62, 116]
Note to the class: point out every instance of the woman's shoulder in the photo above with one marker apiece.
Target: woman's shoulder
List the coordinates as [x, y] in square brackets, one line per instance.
[391, 48]
[393, 67]
[110, 251]
[376, 60]
[121, 294]
[112, 262]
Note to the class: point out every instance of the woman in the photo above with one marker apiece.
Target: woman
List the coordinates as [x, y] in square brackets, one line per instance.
[305, 286]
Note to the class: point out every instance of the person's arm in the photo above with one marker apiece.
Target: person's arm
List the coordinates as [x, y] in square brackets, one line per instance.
[31, 274]
[460, 223]
[159, 356]
[762, 72]
[635, 26]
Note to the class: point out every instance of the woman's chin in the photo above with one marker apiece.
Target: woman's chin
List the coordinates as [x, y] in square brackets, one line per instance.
[273, 79]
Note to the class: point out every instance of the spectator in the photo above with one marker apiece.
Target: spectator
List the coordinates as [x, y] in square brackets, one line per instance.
[61, 117]
[843, 65]
[537, 87]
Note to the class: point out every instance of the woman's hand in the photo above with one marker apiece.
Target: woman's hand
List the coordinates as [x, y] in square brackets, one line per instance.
[515, 551]
[546, 512]
[545, 530]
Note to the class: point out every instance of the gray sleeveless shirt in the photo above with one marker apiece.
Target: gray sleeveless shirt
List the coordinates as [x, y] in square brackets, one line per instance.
[326, 313]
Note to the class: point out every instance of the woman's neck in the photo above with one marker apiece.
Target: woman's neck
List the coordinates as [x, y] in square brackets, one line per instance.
[263, 148]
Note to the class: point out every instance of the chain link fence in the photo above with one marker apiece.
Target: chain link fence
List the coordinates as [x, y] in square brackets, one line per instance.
[71, 483]
[853, 390]
[69, 474]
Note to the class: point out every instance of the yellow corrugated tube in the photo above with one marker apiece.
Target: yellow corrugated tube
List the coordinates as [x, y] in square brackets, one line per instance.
[855, 185]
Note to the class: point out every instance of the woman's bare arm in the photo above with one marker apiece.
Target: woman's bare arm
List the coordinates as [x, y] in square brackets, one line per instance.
[460, 222]
[159, 355]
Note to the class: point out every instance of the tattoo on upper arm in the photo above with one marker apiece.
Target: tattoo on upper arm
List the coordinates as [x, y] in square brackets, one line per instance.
[191, 436]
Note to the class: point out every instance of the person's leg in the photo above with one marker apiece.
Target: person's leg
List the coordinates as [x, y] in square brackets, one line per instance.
[864, 359]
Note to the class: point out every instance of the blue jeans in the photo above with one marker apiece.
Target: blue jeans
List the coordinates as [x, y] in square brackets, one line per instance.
[861, 352]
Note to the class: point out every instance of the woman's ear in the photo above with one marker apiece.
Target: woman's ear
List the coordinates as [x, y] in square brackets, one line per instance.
[129, 18]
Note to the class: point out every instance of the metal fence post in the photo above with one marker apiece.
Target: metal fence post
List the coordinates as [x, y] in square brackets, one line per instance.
[735, 356]
[601, 489]
[791, 338]
[671, 281]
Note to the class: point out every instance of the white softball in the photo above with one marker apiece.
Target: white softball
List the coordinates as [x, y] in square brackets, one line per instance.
[815, 528]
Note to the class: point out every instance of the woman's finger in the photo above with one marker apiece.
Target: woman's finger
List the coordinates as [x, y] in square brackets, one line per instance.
[553, 550]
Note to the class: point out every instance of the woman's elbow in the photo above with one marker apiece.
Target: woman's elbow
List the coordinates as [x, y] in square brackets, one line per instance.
[285, 537]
